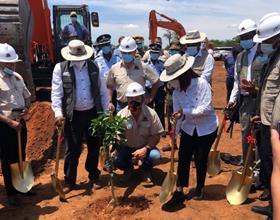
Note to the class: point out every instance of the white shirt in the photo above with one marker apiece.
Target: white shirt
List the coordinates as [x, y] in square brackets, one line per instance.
[209, 67]
[197, 107]
[84, 100]
[234, 92]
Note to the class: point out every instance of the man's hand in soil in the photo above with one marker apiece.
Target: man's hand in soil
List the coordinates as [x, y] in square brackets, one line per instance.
[140, 153]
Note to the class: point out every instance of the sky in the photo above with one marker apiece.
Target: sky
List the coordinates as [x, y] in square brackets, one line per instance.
[219, 19]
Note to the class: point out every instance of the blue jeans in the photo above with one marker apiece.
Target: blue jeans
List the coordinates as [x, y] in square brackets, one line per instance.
[124, 157]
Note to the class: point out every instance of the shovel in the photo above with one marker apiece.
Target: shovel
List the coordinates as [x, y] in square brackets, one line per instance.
[214, 158]
[54, 176]
[21, 172]
[240, 183]
[169, 182]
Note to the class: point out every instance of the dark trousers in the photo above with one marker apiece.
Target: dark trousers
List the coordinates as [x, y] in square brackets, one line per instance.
[9, 152]
[75, 131]
[229, 84]
[199, 147]
[159, 105]
[265, 154]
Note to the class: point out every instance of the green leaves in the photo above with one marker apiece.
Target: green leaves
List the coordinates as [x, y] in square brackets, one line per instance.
[109, 128]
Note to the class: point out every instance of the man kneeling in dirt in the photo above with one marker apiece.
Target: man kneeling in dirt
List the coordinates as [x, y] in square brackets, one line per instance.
[143, 134]
[78, 94]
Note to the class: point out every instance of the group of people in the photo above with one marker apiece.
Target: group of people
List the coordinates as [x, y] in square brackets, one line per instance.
[133, 83]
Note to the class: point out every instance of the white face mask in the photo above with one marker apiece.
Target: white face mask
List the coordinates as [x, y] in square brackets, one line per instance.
[175, 84]
[79, 64]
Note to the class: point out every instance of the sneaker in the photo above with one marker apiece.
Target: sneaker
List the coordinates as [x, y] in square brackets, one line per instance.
[199, 194]
[263, 210]
[13, 201]
[95, 184]
[68, 188]
[177, 199]
[147, 179]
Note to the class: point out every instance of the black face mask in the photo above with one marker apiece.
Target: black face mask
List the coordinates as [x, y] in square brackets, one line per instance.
[133, 105]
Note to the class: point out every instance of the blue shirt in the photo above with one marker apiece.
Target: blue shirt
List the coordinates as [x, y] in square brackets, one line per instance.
[158, 67]
[77, 29]
[229, 65]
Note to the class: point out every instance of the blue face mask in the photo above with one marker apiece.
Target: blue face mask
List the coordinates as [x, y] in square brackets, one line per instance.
[173, 52]
[263, 59]
[154, 56]
[8, 71]
[106, 49]
[267, 49]
[127, 58]
[247, 44]
[140, 46]
[192, 51]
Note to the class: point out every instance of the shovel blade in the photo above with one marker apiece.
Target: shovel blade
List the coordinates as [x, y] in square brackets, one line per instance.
[58, 187]
[214, 163]
[236, 191]
[22, 180]
[167, 187]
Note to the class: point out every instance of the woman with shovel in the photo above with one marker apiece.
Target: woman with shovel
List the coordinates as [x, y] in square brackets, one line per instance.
[14, 101]
[192, 104]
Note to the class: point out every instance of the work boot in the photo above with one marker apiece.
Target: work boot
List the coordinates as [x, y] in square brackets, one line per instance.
[263, 210]
[147, 179]
[177, 199]
[13, 201]
[199, 194]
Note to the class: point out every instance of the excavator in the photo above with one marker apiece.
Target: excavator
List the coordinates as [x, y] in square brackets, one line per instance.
[169, 23]
[26, 25]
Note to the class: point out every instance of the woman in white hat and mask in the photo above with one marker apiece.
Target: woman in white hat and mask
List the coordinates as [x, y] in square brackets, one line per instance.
[192, 104]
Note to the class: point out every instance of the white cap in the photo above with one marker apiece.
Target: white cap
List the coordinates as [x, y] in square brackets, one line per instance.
[128, 44]
[268, 27]
[134, 89]
[8, 54]
[246, 26]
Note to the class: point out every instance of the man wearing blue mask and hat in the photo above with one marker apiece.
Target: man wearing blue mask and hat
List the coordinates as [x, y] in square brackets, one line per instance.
[140, 46]
[14, 102]
[158, 66]
[130, 69]
[106, 57]
[204, 62]
[247, 73]
[75, 30]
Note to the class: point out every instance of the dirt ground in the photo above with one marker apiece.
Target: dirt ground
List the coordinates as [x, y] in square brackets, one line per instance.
[142, 203]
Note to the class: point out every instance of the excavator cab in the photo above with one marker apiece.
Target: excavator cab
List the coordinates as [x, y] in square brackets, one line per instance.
[61, 18]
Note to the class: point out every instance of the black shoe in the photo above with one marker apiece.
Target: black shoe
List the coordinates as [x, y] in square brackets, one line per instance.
[263, 210]
[253, 189]
[199, 194]
[265, 196]
[13, 201]
[177, 199]
[95, 184]
[68, 188]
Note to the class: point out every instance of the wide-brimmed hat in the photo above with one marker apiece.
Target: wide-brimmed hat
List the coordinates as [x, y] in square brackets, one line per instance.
[8, 54]
[193, 37]
[175, 66]
[76, 51]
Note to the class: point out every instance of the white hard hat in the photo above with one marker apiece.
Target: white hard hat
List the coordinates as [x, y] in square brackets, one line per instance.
[268, 27]
[246, 26]
[8, 54]
[128, 44]
[134, 89]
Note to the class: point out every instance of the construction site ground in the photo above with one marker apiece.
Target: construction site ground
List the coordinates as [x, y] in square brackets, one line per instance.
[142, 203]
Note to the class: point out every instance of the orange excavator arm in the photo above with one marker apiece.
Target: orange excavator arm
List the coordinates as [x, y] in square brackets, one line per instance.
[42, 33]
[170, 24]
